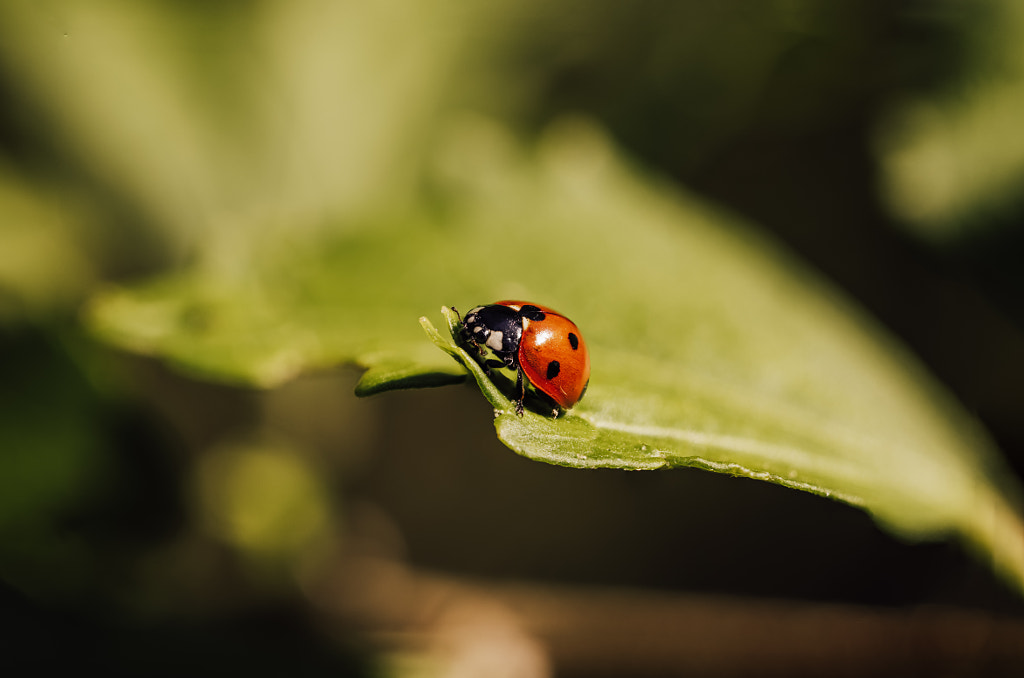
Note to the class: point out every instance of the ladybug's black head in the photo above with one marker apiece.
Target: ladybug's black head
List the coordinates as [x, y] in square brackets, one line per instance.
[496, 329]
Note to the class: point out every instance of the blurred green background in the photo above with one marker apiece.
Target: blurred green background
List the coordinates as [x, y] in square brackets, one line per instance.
[152, 523]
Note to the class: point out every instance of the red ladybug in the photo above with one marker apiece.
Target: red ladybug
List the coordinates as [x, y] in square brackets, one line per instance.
[543, 348]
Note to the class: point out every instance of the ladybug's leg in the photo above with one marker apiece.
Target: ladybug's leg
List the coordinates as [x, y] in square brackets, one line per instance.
[521, 390]
[488, 365]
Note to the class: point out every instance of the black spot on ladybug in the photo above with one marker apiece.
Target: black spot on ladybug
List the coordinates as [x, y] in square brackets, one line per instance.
[532, 313]
[553, 369]
[574, 341]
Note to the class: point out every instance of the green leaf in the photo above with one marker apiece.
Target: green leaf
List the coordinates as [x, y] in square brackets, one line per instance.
[954, 160]
[398, 374]
[711, 347]
[43, 265]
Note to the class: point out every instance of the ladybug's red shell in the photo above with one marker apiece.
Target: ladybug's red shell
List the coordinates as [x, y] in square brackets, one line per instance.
[552, 354]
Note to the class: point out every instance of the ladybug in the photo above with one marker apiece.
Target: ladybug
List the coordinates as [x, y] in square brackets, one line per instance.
[541, 347]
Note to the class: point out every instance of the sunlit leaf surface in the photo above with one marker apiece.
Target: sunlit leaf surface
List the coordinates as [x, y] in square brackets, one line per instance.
[711, 347]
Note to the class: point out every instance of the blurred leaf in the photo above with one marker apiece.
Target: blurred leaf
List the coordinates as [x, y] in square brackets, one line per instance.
[273, 115]
[348, 298]
[952, 161]
[711, 347]
[42, 264]
[262, 498]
